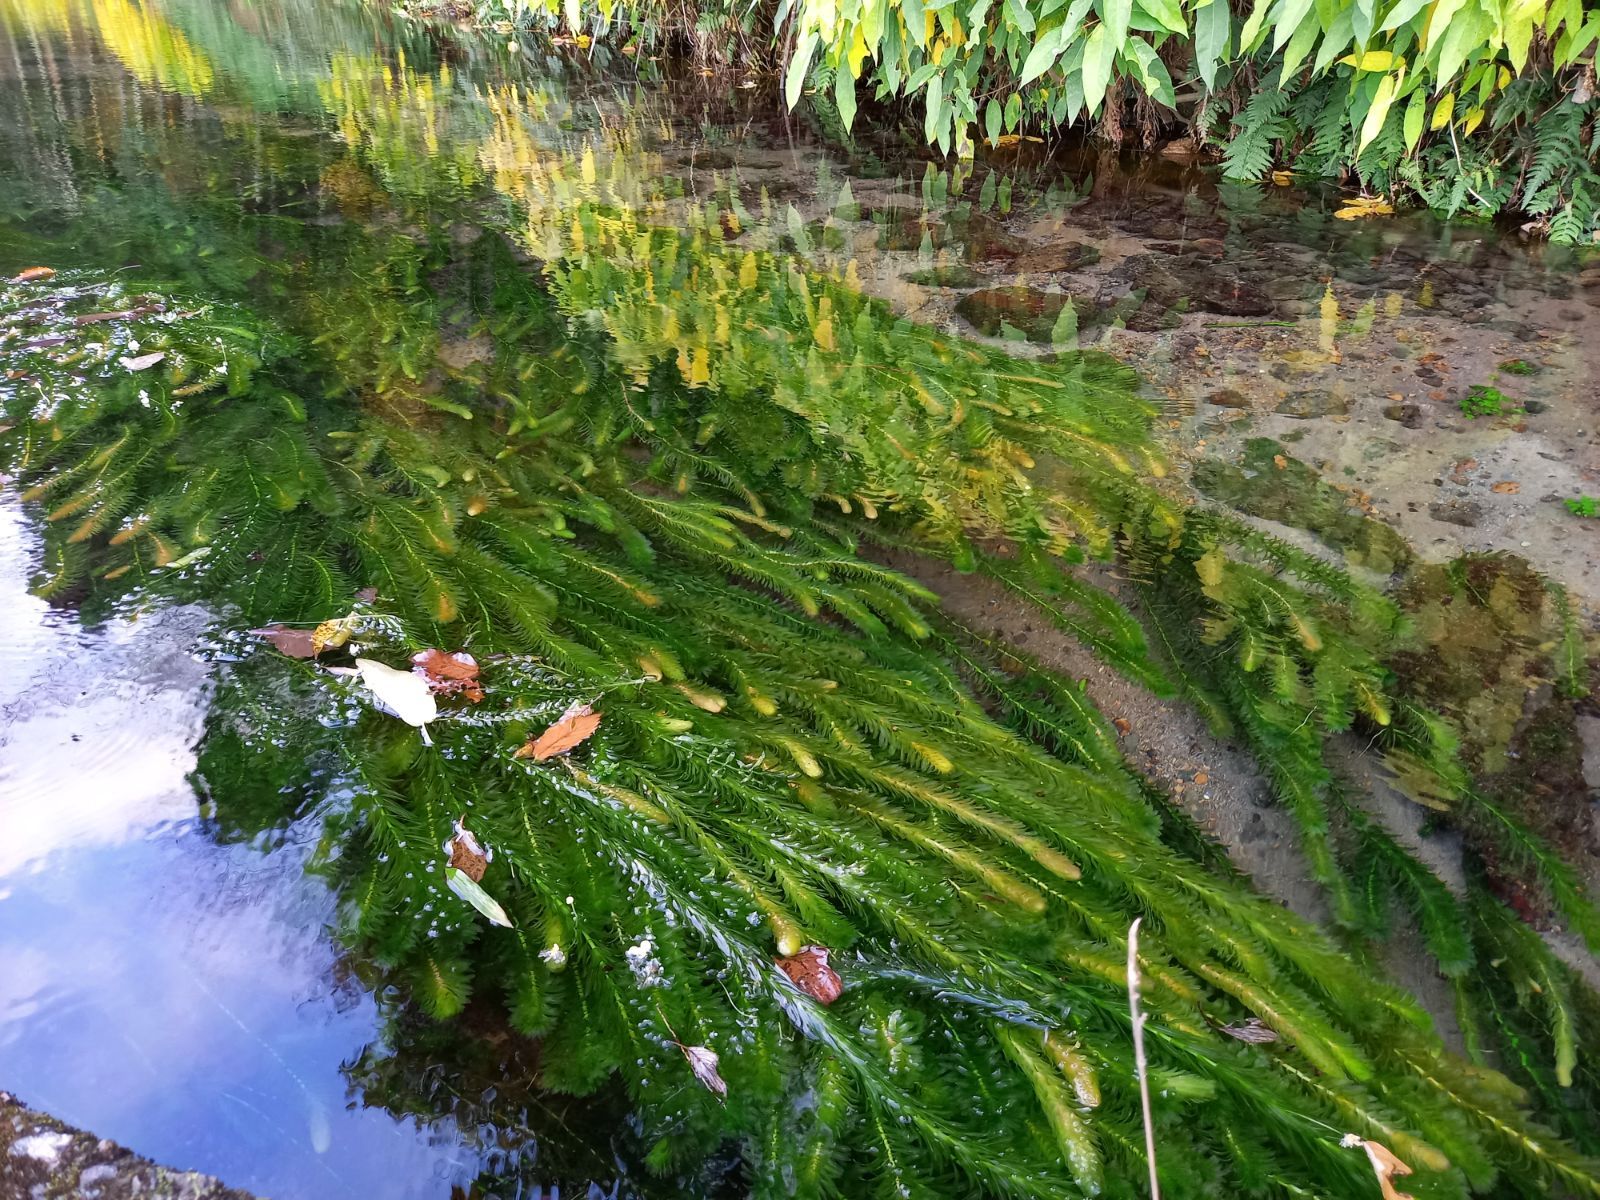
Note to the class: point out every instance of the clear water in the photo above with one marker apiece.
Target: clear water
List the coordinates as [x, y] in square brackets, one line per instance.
[168, 981]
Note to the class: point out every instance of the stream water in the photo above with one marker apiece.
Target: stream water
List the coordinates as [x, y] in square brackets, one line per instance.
[168, 974]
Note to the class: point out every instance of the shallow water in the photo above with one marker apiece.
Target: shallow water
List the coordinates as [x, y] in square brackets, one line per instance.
[169, 979]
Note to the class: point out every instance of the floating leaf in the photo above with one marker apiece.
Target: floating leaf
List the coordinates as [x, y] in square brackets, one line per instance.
[467, 854]
[449, 674]
[809, 971]
[330, 635]
[704, 1063]
[467, 888]
[1252, 1031]
[29, 274]
[296, 643]
[407, 695]
[575, 727]
[143, 361]
[1365, 206]
[1384, 1165]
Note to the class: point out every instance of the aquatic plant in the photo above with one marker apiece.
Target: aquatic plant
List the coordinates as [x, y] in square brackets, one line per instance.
[1583, 506]
[786, 759]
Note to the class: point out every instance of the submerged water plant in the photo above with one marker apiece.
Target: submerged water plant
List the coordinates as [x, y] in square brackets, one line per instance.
[787, 759]
[648, 474]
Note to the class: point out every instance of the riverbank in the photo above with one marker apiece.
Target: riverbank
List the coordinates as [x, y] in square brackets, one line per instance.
[42, 1158]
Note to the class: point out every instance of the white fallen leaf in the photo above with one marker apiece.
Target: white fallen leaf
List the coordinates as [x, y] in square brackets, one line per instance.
[143, 361]
[704, 1063]
[464, 886]
[407, 695]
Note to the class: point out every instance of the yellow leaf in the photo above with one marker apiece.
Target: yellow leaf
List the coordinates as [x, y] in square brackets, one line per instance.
[1372, 60]
[1282, 178]
[1474, 119]
[1365, 206]
[1443, 110]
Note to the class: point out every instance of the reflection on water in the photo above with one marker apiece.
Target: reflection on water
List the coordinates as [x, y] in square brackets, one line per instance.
[160, 989]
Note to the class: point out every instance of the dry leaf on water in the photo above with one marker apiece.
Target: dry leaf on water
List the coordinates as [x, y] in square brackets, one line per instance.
[296, 643]
[1384, 1165]
[575, 727]
[809, 971]
[1251, 1031]
[29, 274]
[467, 854]
[405, 694]
[704, 1063]
[143, 361]
[1365, 206]
[449, 674]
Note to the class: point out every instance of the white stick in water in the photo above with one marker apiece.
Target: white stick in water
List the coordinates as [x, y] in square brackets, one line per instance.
[1138, 1054]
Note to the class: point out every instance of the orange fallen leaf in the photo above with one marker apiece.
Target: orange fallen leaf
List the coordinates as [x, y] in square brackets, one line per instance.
[449, 674]
[809, 971]
[1384, 1165]
[1202, 778]
[575, 727]
[1124, 726]
[29, 274]
[1507, 487]
[296, 643]
[1280, 462]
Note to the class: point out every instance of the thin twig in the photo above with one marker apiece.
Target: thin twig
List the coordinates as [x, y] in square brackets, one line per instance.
[1138, 1055]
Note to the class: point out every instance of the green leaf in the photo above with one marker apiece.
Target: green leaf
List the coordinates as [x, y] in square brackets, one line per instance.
[1416, 112]
[1212, 29]
[1402, 12]
[1167, 13]
[1098, 53]
[795, 80]
[467, 888]
[1253, 25]
[934, 120]
[844, 96]
[1013, 112]
[1043, 55]
[1291, 17]
[991, 121]
[1115, 14]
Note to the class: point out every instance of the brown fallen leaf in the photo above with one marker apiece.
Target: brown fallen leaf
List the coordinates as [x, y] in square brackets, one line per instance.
[576, 726]
[99, 317]
[296, 643]
[1384, 1165]
[367, 595]
[704, 1063]
[467, 854]
[29, 274]
[1252, 1031]
[809, 971]
[1280, 462]
[449, 674]
[44, 343]
[1124, 726]
[1202, 778]
[143, 361]
[1507, 487]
